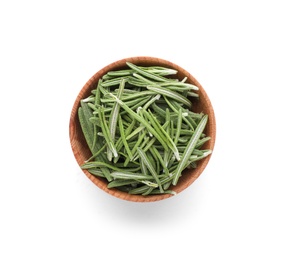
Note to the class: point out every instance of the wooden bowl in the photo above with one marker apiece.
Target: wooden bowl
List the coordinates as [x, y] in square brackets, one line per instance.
[81, 150]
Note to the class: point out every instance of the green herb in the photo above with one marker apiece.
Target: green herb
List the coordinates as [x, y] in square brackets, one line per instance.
[189, 148]
[140, 129]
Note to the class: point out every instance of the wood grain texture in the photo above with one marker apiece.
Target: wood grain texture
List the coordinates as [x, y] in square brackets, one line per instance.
[80, 148]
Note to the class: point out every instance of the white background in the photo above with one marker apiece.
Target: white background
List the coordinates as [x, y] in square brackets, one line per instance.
[235, 210]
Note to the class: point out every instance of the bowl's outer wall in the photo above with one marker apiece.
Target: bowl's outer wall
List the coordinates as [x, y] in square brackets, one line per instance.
[81, 150]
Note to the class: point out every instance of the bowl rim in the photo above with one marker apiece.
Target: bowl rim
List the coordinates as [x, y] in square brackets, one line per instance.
[91, 84]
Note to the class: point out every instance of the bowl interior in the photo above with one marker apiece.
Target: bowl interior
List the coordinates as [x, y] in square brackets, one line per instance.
[82, 152]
